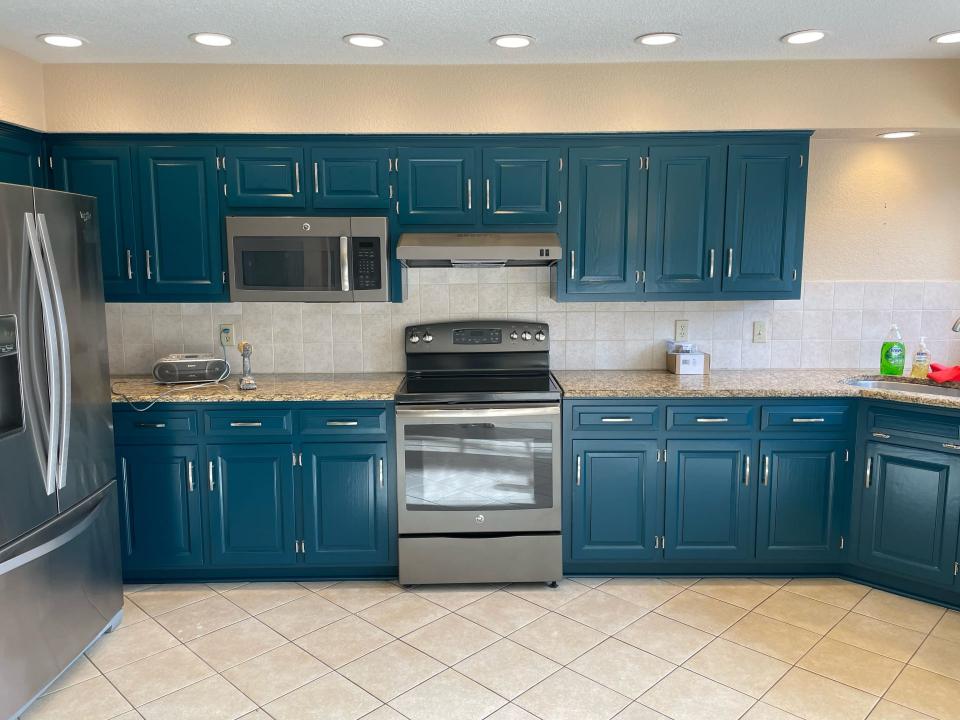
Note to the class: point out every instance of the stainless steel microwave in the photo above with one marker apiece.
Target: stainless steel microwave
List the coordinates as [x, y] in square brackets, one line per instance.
[308, 259]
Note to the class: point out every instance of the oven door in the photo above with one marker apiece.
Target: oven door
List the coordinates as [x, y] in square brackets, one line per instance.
[478, 469]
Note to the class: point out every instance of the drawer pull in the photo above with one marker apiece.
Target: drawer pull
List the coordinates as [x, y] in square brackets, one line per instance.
[712, 420]
[342, 423]
[951, 446]
[617, 419]
[241, 424]
[882, 436]
[808, 420]
[152, 426]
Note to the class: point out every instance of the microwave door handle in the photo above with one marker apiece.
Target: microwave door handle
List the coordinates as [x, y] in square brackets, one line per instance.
[344, 263]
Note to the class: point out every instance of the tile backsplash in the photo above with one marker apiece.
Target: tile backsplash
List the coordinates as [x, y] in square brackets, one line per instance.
[835, 324]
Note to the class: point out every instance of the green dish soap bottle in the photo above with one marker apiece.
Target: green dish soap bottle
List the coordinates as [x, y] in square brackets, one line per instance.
[893, 353]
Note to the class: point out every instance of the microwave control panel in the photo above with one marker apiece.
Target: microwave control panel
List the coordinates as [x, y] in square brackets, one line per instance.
[366, 263]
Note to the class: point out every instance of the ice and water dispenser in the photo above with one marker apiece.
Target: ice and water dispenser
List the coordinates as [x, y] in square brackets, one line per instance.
[11, 398]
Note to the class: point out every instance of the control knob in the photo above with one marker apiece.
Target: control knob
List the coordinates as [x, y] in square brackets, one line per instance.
[540, 336]
[526, 335]
[513, 335]
[427, 337]
[414, 338]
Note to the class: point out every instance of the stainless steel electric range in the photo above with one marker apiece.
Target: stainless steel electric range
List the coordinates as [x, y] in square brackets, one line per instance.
[478, 455]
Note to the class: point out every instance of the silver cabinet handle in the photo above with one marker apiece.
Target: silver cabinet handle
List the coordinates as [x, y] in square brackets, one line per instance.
[316, 178]
[155, 426]
[766, 470]
[469, 194]
[487, 182]
[617, 420]
[866, 483]
[636, 277]
[951, 446]
[707, 420]
[342, 423]
[191, 484]
[746, 471]
[573, 265]
[579, 470]
[713, 258]
[344, 264]
[296, 175]
[808, 420]
[300, 459]
[129, 265]
[656, 542]
[210, 482]
[730, 262]
[380, 471]
[242, 424]
[882, 436]
[147, 257]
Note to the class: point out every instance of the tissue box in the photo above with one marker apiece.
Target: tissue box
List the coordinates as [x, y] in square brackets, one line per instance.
[688, 363]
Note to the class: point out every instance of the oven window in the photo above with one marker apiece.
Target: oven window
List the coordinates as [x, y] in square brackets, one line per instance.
[478, 466]
[276, 263]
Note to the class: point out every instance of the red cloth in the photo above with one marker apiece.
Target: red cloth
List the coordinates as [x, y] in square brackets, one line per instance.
[941, 373]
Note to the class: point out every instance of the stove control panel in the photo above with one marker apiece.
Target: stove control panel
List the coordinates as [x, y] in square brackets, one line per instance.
[477, 336]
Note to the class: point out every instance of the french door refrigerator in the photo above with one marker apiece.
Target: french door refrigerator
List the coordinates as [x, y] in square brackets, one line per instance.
[60, 584]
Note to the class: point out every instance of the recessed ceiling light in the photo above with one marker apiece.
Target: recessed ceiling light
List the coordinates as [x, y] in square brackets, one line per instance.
[364, 40]
[803, 37]
[947, 38]
[512, 42]
[212, 39]
[658, 38]
[58, 40]
[898, 134]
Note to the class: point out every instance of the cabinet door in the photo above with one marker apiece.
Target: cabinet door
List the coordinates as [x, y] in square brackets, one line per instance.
[345, 503]
[604, 234]
[910, 506]
[438, 186]
[684, 218]
[615, 504]
[351, 177]
[20, 161]
[710, 500]
[251, 504]
[799, 503]
[105, 172]
[521, 185]
[180, 212]
[160, 523]
[264, 176]
[763, 229]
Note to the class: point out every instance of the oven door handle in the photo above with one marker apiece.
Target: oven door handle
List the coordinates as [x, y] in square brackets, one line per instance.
[478, 413]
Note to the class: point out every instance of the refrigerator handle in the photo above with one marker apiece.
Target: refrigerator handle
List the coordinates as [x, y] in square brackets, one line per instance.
[52, 347]
[64, 342]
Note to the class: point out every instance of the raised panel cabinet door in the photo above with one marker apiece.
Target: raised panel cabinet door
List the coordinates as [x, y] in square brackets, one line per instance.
[763, 227]
[684, 232]
[521, 185]
[910, 505]
[710, 500]
[604, 234]
[180, 212]
[251, 505]
[268, 176]
[799, 503]
[351, 177]
[615, 505]
[345, 518]
[160, 522]
[106, 173]
[438, 186]
[20, 161]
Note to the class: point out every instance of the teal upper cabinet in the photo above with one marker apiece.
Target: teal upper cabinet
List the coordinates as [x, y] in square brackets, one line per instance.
[604, 233]
[910, 506]
[438, 186]
[684, 218]
[763, 232]
[179, 206]
[20, 162]
[105, 171]
[521, 185]
[264, 176]
[351, 177]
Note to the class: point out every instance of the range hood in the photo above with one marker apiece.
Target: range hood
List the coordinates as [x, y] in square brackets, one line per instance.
[478, 249]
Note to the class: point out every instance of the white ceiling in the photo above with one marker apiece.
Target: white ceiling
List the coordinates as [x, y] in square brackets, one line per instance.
[456, 31]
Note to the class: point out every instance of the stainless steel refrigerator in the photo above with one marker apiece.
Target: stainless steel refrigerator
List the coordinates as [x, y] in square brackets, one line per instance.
[60, 584]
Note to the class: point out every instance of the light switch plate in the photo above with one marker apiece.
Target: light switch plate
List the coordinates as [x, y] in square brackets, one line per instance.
[760, 334]
[681, 330]
[227, 336]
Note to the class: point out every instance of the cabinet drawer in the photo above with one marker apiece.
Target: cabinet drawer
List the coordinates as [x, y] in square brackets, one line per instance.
[344, 421]
[805, 417]
[710, 417]
[160, 425]
[616, 417]
[883, 423]
[248, 423]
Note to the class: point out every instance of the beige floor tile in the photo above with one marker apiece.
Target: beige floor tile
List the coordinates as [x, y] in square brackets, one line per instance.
[210, 699]
[159, 599]
[644, 592]
[448, 695]
[454, 597]
[317, 585]
[622, 667]
[665, 638]
[939, 656]
[392, 670]
[222, 587]
[344, 641]
[158, 675]
[877, 636]
[302, 616]
[801, 611]
[813, 697]
[384, 712]
[886, 710]
[912, 614]
[81, 669]
[949, 627]
[702, 612]
[235, 644]
[593, 582]
[134, 715]
[511, 712]
[738, 667]
[275, 673]
[927, 692]
[201, 618]
[771, 637]
[565, 695]
[636, 711]
[546, 596]
[607, 613]
[403, 614]
[681, 581]
[135, 588]
[762, 711]
[833, 591]
[451, 638]
[502, 612]
[745, 593]
[331, 697]
[258, 597]
[852, 666]
[132, 614]
[507, 668]
[358, 595]
[94, 699]
[684, 695]
[558, 638]
[127, 645]
[776, 582]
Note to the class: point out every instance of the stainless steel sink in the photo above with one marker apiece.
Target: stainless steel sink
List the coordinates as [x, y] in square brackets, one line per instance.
[904, 386]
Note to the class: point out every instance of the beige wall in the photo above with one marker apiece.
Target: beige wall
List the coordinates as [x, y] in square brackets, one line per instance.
[21, 90]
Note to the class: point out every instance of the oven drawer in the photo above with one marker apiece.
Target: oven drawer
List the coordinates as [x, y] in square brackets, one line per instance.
[616, 418]
[710, 418]
[344, 421]
[248, 423]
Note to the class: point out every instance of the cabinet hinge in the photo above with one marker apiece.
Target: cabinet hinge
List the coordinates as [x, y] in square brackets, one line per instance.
[843, 542]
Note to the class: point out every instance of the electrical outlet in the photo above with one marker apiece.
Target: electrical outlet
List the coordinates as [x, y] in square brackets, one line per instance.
[227, 336]
[681, 330]
[760, 331]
